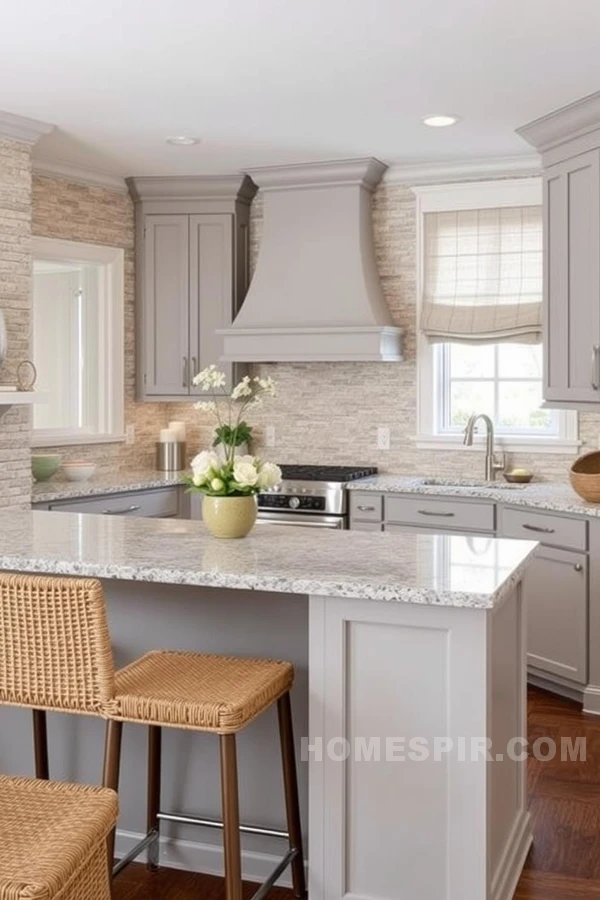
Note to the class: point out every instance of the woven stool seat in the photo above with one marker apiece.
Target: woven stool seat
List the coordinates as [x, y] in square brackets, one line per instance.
[199, 691]
[53, 840]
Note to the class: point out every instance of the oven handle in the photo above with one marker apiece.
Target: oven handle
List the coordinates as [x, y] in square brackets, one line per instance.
[301, 521]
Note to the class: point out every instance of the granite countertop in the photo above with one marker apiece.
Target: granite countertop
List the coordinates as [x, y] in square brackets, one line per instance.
[539, 495]
[113, 483]
[408, 568]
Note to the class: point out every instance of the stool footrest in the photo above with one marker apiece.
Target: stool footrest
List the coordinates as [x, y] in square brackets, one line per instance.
[216, 823]
[266, 886]
[135, 852]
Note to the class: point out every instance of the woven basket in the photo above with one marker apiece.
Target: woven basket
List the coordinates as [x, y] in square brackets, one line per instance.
[585, 476]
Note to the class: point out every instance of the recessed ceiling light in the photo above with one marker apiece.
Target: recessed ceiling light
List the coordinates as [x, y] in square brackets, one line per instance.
[439, 121]
[182, 141]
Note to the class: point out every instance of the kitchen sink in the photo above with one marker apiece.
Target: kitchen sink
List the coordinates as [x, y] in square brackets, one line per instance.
[470, 485]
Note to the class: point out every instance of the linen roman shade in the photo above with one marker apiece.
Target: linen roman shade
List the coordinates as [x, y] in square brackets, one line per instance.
[483, 275]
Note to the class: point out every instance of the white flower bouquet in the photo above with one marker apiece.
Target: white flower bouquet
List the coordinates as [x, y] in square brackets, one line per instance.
[235, 476]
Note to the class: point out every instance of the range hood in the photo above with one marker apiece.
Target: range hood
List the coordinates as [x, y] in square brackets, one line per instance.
[315, 295]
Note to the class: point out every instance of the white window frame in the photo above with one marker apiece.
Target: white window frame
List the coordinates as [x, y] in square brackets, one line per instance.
[461, 196]
[111, 370]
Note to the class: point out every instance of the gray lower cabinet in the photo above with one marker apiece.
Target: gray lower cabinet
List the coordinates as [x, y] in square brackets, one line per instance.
[157, 503]
[556, 586]
[192, 258]
[556, 598]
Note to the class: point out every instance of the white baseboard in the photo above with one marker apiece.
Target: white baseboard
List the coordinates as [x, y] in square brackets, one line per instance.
[192, 856]
[508, 871]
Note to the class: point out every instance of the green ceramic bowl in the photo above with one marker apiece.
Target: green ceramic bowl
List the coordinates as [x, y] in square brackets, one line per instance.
[44, 466]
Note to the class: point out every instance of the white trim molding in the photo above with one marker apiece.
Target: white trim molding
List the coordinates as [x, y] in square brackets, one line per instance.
[111, 339]
[409, 174]
[78, 174]
[461, 196]
[20, 128]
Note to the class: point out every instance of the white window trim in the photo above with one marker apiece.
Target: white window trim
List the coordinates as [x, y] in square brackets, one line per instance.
[111, 374]
[462, 196]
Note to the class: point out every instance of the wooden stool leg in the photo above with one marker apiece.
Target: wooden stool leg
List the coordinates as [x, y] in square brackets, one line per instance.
[153, 808]
[110, 778]
[40, 744]
[290, 783]
[231, 818]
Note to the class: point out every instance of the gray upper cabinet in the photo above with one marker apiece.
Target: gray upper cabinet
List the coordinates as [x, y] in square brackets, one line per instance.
[572, 279]
[192, 276]
[569, 142]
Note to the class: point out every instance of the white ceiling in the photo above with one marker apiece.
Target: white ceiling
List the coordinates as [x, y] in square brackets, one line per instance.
[270, 81]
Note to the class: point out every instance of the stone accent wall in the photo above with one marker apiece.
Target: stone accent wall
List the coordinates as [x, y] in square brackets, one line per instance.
[95, 215]
[329, 412]
[15, 289]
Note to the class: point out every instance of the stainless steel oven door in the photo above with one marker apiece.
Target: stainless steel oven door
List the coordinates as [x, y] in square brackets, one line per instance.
[300, 519]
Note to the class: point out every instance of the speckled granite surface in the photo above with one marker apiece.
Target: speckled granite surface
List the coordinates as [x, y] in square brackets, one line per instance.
[552, 497]
[407, 568]
[134, 480]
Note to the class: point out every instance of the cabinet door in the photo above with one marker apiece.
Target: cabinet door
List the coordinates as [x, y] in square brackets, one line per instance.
[555, 589]
[165, 306]
[572, 280]
[211, 289]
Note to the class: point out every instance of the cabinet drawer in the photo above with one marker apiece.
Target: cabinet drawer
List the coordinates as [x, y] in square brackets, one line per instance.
[161, 503]
[548, 529]
[437, 530]
[366, 526]
[433, 512]
[366, 507]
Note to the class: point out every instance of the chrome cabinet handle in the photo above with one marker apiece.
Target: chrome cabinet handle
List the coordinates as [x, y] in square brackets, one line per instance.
[194, 371]
[595, 366]
[120, 512]
[186, 378]
[428, 512]
[578, 567]
[539, 529]
[366, 508]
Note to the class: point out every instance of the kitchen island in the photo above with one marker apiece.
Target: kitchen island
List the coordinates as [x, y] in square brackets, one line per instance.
[409, 651]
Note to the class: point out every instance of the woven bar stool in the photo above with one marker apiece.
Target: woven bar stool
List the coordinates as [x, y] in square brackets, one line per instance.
[55, 654]
[53, 840]
[213, 694]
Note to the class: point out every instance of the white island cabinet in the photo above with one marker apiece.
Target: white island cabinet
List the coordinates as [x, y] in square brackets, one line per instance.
[408, 704]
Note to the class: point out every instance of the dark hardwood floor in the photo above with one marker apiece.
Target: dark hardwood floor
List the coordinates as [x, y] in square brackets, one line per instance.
[564, 797]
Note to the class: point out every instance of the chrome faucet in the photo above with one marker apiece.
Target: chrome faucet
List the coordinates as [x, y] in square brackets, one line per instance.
[491, 464]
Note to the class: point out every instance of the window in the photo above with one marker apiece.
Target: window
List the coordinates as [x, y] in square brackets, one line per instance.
[78, 342]
[479, 278]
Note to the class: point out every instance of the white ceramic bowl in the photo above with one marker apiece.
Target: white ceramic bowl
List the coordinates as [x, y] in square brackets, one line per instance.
[78, 471]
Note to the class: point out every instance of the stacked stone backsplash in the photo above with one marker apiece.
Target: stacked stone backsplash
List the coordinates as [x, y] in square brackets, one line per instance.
[329, 412]
[96, 215]
[15, 292]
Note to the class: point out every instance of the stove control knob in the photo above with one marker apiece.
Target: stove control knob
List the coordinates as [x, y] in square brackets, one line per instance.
[276, 488]
[294, 502]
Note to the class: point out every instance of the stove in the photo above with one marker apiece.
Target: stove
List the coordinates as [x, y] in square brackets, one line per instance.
[313, 496]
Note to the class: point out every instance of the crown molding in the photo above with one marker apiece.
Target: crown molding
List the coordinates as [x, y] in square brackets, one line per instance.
[191, 187]
[572, 121]
[78, 174]
[20, 128]
[365, 171]
[464, 170]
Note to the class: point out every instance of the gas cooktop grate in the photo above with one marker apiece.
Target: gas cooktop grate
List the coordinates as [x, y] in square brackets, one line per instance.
[327, 473]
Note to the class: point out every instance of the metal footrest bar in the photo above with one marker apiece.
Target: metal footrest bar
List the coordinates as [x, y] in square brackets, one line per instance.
[277, 871]
[135, 852]
[216, 823]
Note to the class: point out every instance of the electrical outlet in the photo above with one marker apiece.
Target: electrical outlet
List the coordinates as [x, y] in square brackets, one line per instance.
[270, 435]
[130, 435]
[383, 438]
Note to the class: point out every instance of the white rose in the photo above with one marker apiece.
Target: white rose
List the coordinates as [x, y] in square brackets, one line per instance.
[217, 485]
[269, 476]
[203, 465]
[244, 471]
